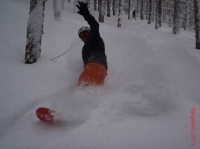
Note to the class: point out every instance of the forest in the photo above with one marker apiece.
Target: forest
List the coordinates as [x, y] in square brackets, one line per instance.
[177, 14]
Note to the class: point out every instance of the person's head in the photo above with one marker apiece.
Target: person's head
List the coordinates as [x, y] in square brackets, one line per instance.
[84, 33]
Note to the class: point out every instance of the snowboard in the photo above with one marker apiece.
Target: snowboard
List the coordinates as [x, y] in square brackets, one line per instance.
[45, 114]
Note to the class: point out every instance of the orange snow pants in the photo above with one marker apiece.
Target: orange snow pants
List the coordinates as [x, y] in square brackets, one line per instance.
[93, 74]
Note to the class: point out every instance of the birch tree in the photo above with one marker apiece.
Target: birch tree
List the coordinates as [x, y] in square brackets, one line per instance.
[34, 31]
[197, 22]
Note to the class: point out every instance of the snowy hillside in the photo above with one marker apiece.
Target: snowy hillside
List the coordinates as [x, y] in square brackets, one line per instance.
[148, 100]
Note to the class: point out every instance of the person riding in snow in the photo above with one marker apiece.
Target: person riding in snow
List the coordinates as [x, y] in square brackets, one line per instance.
[93, 51]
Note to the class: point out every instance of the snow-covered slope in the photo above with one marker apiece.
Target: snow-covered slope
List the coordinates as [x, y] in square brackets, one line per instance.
[153, 82]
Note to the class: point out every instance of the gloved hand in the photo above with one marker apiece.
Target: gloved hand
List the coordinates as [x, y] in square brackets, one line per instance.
[83, 9]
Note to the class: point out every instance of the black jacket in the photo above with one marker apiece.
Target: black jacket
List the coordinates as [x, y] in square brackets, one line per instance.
[94, 49]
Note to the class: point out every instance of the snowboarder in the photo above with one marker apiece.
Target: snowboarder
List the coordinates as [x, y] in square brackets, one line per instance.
[93, 51]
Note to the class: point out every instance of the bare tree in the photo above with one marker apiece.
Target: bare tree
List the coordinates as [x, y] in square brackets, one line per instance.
[119, 14]
[105, 7]
[170, 12]
[95, 5]
[156, 17]
[147, 9]
[99, 5]
[142, 9]
[197, 22]
[57, 9]
[176, 17]
[101, 10]
[159, 13]
[150, 12]
[34, 31]
[129, 9]
[108, 8]
[153, 10]
[137, 9]
[113, 6]
[192, 15]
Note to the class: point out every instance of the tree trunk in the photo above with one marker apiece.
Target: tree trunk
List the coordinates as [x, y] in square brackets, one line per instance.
[192, 15]
[33, 4]
[95, 5]
[150, 12]
[156, 17]
[197, 22]
[169, 12]
[34, 31]
[114, 6]
[147, 9]
[108, 7]
[99, 5]
[137, 10]
[129, 9]
[105, 7]
[176, 18]
[57, 9]
[170, 19]
[142, 10]
[159, 13]
[101, 10]
[153, 11]
[119, 14]
[184, 24]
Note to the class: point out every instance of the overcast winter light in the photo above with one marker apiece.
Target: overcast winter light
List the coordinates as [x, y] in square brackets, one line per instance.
[151, 94]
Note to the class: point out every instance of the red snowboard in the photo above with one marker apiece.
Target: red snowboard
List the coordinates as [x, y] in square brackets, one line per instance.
[45, 114]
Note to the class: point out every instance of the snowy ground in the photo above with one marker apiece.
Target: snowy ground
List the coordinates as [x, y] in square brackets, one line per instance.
[153, 82]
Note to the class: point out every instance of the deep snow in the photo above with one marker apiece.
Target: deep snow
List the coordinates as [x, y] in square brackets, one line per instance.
[153, 82]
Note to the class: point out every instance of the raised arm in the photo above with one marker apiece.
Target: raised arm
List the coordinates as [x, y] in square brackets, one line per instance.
[94, 25]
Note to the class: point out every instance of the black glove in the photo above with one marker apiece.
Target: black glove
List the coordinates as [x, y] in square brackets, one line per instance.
[83, 9]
